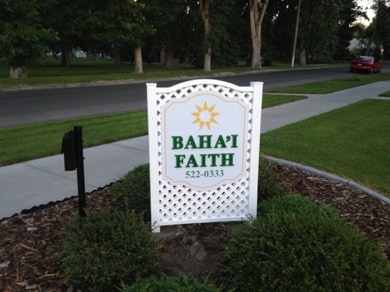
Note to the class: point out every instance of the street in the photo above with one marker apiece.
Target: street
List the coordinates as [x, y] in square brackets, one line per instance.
[51, 104]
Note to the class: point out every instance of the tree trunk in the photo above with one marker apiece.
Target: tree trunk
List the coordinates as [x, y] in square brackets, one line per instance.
[65, 60]
[138, 60]
[168, 57]
[117, 57]
[205, 11]
[302, 58]
[256, 50]
[256, 17]
[18, 72]
[207, 60]
[369, 43]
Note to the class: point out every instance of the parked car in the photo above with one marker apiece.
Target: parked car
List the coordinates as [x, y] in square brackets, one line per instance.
[365, 64]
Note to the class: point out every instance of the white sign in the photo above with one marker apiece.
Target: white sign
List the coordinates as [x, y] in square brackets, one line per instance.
[204, 144]
[204, 140]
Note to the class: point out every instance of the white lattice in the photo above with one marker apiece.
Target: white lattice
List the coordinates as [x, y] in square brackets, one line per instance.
[179, 204]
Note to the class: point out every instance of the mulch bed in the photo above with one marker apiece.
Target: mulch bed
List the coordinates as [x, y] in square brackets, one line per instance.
[30, 242]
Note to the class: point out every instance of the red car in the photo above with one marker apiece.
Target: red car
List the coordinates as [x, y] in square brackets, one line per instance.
[365, 64]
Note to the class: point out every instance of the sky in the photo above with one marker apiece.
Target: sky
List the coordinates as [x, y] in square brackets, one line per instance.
[366, 5]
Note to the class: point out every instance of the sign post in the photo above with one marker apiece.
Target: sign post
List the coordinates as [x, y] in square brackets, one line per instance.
[72, 148]
[204, 143]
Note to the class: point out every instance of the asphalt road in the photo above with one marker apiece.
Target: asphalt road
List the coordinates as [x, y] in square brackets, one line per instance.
[43, 105]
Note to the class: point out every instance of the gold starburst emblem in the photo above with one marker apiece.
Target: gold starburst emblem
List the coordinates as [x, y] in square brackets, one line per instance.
[205, 116]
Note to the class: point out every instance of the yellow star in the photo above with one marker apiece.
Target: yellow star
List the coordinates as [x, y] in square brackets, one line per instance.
[205, 116]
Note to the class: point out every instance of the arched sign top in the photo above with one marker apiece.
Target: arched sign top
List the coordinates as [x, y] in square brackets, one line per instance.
[205, 83]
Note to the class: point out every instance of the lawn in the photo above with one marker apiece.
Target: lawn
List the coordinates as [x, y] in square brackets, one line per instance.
[41, 140]
[352, 142]
[385, 94]
[324, 87]
[49, 71]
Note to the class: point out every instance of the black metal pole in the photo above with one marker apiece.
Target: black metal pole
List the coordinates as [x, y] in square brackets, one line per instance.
[78, 137]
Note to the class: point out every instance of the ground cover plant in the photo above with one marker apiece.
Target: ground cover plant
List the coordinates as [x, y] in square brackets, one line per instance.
[107, 248]
[31, 241]
[350, 141]
[295, 245]
[179, 283]
[133, 191]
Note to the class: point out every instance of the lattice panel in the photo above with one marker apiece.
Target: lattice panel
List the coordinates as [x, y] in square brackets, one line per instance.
[179, 204]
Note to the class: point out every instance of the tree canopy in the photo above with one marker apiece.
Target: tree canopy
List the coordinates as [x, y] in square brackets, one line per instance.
[207, 33]
[23, 38]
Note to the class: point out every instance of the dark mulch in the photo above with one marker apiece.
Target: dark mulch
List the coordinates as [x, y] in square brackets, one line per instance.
[29, 242]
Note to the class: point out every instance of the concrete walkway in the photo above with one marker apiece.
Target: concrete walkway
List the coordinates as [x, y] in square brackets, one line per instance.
[41, 181]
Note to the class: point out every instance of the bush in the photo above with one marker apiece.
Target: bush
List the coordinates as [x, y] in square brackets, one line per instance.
[295, 245]
[133, 191]
[298, 206]
[167, 284]
[106, 248]
[268, 182]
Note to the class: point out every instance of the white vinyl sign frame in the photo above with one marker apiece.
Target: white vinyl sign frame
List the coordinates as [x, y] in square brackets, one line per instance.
[204, 144]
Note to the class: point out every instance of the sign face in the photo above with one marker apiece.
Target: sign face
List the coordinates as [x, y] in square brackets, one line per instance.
[204, 138]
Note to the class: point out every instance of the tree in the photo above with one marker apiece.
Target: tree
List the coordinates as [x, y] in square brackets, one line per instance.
[325, 28]
[257, 10]
[349, 12]
[379, 29]
[216, 17]
[113, 22]
[318, 29]
[66, 18]
[116, 22]
[167, 19]
[383, 29]
[22, 35]
[280, 23]
[175, 32]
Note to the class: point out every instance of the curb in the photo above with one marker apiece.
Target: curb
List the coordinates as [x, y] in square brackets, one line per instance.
[331, 176]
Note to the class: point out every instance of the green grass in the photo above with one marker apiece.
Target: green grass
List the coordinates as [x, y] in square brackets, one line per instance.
[270, 100]
[49, 71]
[352, 141]
[324, 87]
[385, 94]
[41, 140]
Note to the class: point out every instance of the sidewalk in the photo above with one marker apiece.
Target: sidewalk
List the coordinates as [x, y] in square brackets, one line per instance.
[41, 181]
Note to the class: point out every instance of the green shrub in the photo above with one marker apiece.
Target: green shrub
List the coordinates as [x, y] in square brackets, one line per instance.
[168, 284]
[296, 205]
[295, 245]
[106, 248]
[133, 191]
[269, 182]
